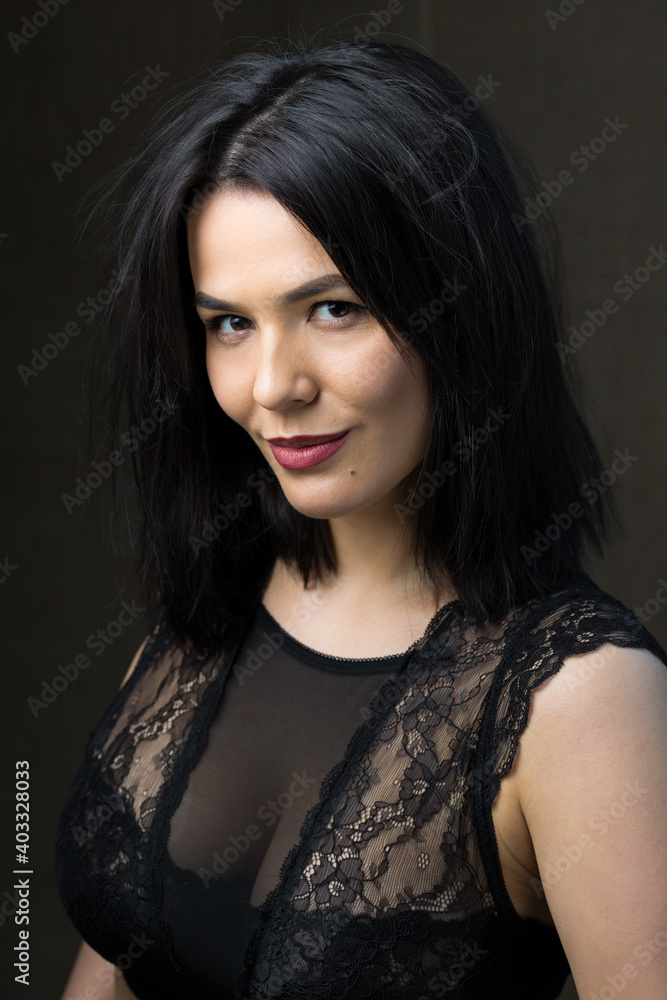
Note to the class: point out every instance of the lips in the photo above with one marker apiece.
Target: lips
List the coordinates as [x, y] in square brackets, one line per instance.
[308, 454]
[305, 440]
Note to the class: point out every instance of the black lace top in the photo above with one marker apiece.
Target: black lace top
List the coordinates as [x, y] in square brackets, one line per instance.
[277, 822]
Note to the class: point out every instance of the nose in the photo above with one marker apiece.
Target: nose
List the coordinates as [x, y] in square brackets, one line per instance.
[284, 367]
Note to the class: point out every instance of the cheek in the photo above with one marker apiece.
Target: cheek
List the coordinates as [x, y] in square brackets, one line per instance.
[227, 389]
[384, 384]
[399, 406]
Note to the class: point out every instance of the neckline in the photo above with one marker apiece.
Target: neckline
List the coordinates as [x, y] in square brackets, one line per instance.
[384, 696]
[358, 740]
[328, 661]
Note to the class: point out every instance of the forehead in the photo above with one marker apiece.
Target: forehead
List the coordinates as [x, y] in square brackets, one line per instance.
[248, 229]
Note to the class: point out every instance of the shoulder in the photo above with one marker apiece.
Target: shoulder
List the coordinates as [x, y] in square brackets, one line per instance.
[590, 779]
[579, 634]
[581, 662]
[600, 699]
[598, 706]
[578, 655]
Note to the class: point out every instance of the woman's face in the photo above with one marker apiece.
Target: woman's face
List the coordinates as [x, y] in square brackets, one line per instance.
[314, 364]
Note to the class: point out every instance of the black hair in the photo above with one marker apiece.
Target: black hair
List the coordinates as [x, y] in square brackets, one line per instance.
[417, 194]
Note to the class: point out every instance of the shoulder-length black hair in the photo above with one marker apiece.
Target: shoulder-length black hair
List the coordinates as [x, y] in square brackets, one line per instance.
[418, 196]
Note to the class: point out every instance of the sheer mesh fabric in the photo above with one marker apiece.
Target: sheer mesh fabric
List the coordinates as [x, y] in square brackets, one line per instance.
[275, 822]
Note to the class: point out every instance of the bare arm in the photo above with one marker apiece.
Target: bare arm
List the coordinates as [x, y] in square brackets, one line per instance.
[92, 977]
[594, 793]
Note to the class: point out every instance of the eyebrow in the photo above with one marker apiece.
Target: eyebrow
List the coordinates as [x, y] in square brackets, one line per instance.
[322, 284]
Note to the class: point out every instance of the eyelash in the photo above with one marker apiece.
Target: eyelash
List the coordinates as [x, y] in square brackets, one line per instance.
[212, 325]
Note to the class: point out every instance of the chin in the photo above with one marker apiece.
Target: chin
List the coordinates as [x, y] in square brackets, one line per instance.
[321, 510]
[325, 501]
[337, 502]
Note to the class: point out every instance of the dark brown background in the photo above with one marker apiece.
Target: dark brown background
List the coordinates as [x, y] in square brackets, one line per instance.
[558, 84]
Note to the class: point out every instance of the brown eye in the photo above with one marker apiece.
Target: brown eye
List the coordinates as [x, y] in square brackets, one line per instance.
[337, 304]
[215, 326]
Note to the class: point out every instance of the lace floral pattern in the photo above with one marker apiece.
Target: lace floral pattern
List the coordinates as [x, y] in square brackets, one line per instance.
[394, 888]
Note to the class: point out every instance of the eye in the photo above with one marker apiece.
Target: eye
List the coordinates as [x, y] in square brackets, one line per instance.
[236, 324]
[337, 304]
[216, 324]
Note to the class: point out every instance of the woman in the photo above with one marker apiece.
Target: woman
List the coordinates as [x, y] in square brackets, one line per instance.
[309, 784]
